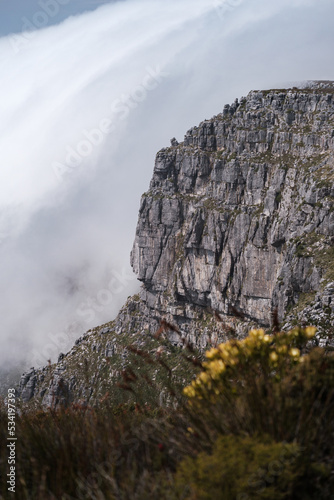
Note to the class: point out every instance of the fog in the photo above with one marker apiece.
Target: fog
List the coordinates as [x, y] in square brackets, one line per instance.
[85, 105]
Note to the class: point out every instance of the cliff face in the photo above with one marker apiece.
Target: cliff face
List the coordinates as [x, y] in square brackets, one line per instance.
[241, 213]
[239, 219]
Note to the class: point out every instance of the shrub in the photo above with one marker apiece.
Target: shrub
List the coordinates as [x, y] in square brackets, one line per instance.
[249, 468]
[265, 385]
[257, 421]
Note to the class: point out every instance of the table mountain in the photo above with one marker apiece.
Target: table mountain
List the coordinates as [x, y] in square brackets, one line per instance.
[237, 224]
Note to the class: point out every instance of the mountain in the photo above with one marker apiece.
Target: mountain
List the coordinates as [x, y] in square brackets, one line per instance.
[237, 228]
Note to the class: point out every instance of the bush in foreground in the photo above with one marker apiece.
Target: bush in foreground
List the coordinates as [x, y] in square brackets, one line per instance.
[256, 422]
[245, 468]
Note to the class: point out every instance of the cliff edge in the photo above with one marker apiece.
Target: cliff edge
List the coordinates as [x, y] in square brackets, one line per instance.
[238, 222]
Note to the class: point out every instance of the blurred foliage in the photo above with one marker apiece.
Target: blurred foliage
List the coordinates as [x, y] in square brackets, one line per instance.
[250, 468]
[257, 421]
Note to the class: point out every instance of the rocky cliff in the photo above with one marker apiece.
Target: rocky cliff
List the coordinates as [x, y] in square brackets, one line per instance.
[238, 219]
[241, 213]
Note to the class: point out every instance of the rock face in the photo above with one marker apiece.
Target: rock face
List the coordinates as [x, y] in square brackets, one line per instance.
[241, 213]
[238, 219]
[27, 385]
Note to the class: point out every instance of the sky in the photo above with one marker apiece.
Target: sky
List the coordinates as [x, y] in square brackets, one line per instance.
[89, 92]
[16, 13]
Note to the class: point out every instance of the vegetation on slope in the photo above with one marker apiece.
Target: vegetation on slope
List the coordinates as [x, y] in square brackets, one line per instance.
[256, 422]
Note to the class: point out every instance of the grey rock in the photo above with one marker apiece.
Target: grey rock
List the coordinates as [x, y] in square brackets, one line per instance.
[238, 217]
[247, 198]
[103, 331]
[27, 385]
[110, 349]
[57, 393]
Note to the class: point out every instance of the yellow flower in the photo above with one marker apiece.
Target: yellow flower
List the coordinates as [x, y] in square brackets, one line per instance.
[217, 367]
[267, 338]
[294, 352]
[234, 351]
[310, 331]
[204, 377]
[282, 349]
[212, 353]
[229, 350]
[189, 391]
[233, 362]
[273, 356]
[225, 355]
[248, 342]
[257, 334]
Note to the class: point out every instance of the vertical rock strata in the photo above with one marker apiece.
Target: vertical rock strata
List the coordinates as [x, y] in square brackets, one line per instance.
[241, 213]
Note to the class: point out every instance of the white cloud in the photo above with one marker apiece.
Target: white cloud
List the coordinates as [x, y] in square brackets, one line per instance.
[63, 240]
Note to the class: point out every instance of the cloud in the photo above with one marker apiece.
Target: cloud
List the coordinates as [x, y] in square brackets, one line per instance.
[70, 187]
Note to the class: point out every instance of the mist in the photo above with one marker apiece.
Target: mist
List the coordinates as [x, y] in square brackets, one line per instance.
[85, 106]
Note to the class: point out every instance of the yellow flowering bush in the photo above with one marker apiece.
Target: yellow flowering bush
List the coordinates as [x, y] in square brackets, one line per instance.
[263, 383]
[268, 356]
[276, 387]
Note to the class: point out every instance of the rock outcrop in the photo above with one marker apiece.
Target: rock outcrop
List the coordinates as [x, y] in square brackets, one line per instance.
[241, 213]
[238, 219]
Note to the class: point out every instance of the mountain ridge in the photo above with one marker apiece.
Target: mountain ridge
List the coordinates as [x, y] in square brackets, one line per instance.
[238, 223]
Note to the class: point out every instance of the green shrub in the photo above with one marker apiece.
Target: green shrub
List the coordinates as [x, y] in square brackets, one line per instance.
[249, 468]
[266, 385]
